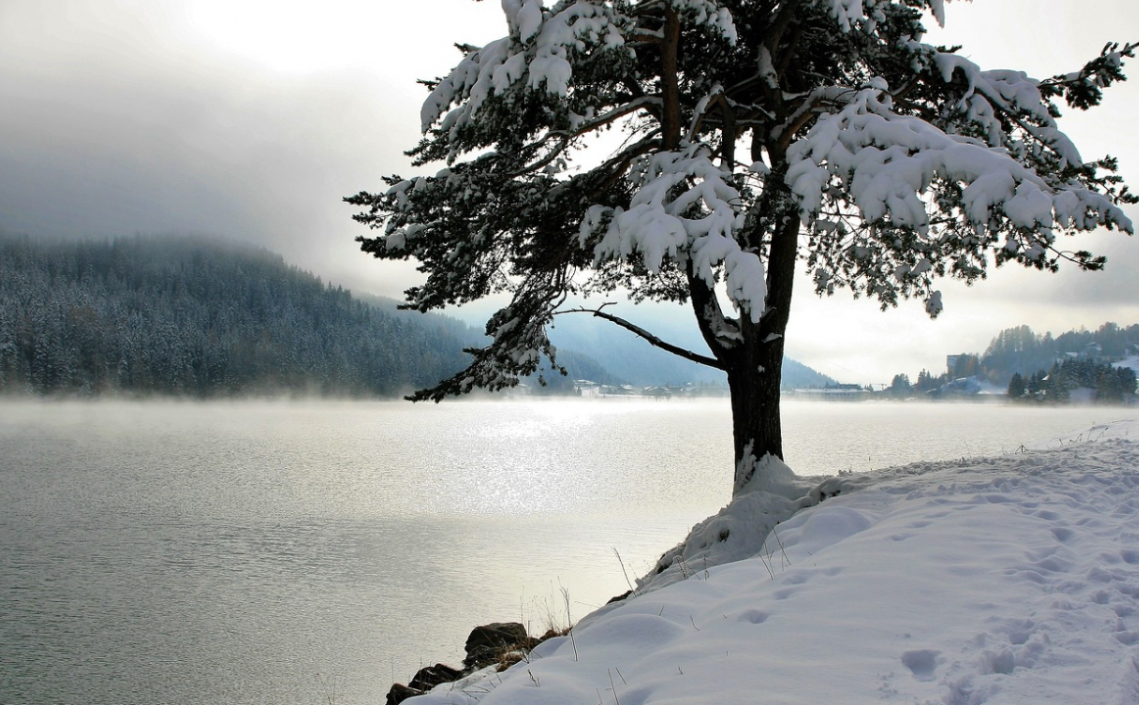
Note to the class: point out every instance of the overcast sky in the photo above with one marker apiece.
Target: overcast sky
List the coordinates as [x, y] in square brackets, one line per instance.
[251, 119]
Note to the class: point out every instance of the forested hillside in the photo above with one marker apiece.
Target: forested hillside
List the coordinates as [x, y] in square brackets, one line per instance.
[192, 317]
[1020, 350]
[195, 317]
[1041, 367]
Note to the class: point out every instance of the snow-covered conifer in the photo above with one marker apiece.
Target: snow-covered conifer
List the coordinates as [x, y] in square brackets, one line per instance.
[757, 134]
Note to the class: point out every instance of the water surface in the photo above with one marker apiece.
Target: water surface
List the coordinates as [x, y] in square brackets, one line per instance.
[295, 553]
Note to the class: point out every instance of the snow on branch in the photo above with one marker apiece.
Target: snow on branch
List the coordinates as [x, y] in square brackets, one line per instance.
[536, 54]
[519, 342]
[684, 210]
[887, 163]
[524, 17]
[708, 13]
[848, 13]
[539, 53]
[995, 95]
[1084, 88]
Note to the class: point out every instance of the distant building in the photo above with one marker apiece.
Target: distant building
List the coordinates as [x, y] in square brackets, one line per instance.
[587, 388]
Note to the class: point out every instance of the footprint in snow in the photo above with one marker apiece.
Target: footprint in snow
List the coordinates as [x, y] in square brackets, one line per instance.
[922, 663]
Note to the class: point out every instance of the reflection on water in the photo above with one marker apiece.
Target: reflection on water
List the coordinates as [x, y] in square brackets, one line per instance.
[255, 553]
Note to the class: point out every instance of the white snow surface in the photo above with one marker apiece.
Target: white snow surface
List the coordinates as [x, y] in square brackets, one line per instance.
[1132, 362]
[1012, 579]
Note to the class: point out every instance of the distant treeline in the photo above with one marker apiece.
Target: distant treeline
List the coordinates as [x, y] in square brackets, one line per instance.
[1020, 350]
[1107, 383]
[184, 316]
[1042, 366]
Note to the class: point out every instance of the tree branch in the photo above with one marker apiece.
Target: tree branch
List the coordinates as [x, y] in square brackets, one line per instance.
[614, 114]
[647, 336]
[566, 135]
[775, 30]
[720, 333]
[614, 168]
[670, 79]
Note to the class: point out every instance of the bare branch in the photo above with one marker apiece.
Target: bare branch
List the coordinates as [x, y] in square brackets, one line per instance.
[616, 113]
[647, 336]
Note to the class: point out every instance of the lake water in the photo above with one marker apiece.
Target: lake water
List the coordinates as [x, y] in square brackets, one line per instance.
[308, 553]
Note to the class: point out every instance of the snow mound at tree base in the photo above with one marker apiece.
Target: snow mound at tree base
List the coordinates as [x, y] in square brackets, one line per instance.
[738, 531]
[1000, 580]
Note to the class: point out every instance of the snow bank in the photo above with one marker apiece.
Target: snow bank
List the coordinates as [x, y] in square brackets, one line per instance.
[998, 580]
[1132, 362]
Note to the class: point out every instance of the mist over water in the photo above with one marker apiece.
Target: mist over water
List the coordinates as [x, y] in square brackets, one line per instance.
[245, 552]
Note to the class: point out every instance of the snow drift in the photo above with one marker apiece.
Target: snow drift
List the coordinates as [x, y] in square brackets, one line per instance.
[997, 580]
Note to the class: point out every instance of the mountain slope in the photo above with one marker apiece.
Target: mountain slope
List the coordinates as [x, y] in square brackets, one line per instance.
[187, 316]
[629, 357]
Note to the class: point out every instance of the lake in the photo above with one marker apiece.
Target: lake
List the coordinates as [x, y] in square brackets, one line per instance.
[313, 552]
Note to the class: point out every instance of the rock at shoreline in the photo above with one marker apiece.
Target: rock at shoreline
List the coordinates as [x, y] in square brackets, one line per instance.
[485, 646]
[431, 676]
[400, 692]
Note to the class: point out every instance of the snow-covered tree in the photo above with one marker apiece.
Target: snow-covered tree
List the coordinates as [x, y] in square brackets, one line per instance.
[698, 150]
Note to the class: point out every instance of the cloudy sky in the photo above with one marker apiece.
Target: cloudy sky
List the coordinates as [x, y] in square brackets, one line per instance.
[251, 119]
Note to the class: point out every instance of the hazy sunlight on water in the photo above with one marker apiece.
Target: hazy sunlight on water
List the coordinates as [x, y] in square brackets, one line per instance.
[230, 552]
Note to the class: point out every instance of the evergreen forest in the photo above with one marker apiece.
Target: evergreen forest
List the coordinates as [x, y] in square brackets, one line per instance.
[192, 317]
[1020, 350]
[1042, 367]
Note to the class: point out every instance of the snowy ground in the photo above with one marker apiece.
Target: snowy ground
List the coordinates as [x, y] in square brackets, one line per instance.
[1000, 580]
[1132, 362]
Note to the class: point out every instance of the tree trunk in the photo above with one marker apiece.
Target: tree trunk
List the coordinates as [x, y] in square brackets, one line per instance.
[756, 426]
[755, 364]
